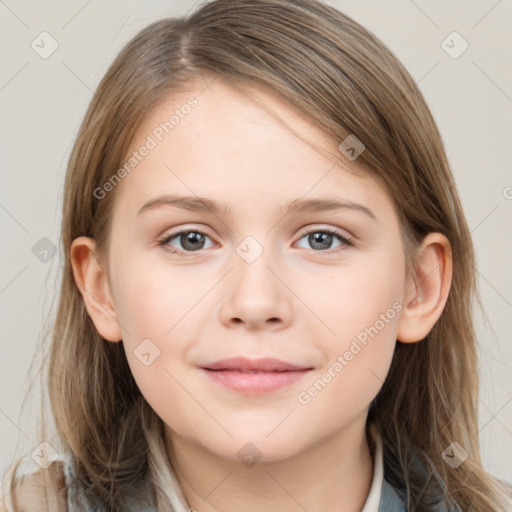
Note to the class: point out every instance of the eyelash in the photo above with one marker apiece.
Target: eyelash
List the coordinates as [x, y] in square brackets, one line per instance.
[163, 243]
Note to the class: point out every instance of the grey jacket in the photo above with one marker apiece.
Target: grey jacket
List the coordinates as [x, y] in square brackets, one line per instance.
[390, 501]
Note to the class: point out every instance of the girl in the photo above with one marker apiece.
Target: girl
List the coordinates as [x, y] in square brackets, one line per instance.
[268, 279]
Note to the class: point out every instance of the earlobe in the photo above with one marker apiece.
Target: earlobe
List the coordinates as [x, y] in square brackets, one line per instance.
[427, 291]
[91, 279]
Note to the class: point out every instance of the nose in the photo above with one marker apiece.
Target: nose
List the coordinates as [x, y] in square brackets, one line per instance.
[255, 296]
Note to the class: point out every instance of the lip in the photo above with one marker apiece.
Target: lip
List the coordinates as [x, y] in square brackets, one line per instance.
[254, 376]
[245, 364]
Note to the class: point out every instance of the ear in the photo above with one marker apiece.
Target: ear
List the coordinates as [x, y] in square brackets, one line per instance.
[91, 279]
[427, 291]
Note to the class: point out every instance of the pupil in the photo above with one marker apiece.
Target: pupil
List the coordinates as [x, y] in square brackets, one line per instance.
[319, 238]
[193, 240]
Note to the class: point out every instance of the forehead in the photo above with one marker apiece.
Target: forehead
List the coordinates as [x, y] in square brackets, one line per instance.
[216, 140]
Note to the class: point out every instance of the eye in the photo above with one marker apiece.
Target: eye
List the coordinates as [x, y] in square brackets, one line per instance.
[322, 239]
[190, 239]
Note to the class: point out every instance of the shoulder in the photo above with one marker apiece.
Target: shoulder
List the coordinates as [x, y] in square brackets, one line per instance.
[44, 490]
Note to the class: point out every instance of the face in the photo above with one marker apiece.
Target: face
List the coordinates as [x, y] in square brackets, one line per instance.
[318, 288]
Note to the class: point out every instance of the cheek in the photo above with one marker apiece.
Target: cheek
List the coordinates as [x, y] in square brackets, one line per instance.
[356, 297]
[155, 307]
[359, 308]
[153, 300]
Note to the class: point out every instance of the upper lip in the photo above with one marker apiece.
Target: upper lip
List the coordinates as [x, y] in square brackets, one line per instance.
[266, 364]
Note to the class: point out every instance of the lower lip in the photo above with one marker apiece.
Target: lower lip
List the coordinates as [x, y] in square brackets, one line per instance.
[255, 383]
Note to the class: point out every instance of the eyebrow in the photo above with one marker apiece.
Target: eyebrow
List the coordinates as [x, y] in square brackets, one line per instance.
[201, 204]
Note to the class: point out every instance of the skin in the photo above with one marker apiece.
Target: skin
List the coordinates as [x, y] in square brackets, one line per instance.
[295, 302]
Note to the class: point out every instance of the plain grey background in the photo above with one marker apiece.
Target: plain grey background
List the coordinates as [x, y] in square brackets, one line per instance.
[43, 100]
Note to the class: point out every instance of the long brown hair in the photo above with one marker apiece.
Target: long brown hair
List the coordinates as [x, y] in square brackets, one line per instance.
[340, 76]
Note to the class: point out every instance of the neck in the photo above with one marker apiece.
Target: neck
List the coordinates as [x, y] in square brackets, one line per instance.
[335, 474]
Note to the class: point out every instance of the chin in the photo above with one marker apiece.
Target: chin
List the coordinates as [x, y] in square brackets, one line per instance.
[250, 449]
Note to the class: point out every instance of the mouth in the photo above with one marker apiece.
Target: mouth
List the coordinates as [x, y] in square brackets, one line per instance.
[254, 377]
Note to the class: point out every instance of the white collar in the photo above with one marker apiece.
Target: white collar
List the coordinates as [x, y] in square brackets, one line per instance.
[373, 500]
